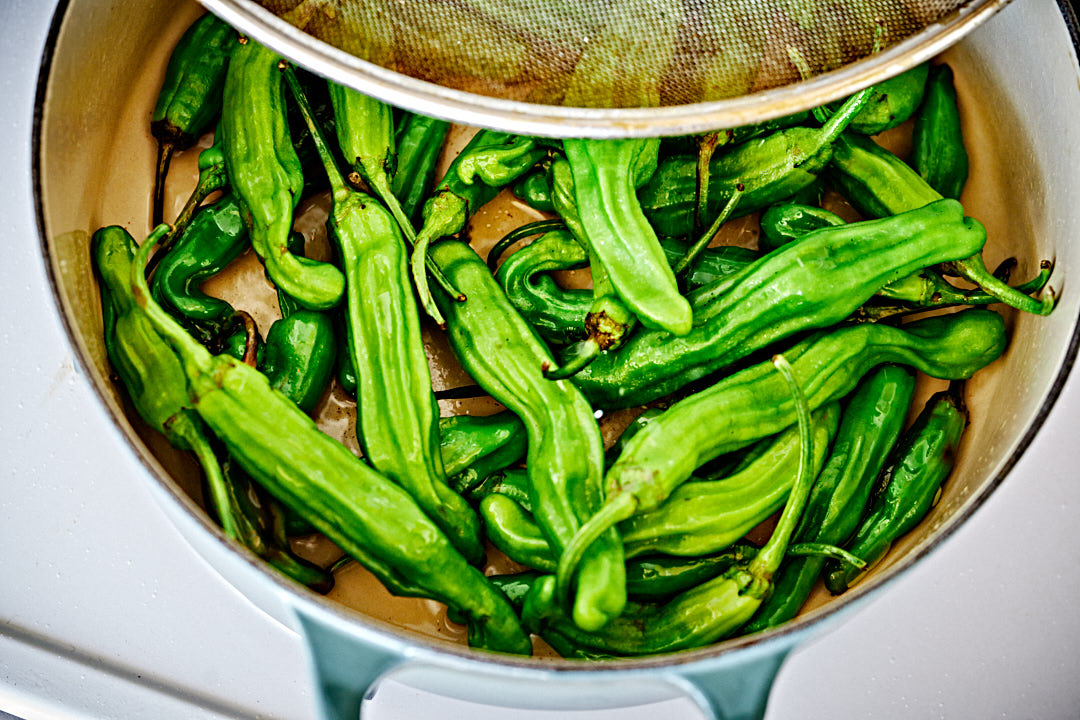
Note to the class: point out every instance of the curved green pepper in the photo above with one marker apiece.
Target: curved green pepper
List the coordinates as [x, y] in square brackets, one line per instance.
[815, 282]
[872, 422]
[912, 480]
[474, 446]
[419, 141]
[565, 451]
[190, 95]
[752, 404]
[264, 171]
[877, 184]
[365, 514]
[893, 102]
[937, 142]
[605, 174]
[781, 224]
[397, 414]
[769, 170]
[535, 191]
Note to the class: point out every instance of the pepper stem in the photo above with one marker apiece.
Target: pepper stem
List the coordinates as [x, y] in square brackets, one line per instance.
[580, 355]
[974, 270]
[827, 551]
[765, 564]
[687, 260]
[215, 480]
[165, 152]
[707, 145]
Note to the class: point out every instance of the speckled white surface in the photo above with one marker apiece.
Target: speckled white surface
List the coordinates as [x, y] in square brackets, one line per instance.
[105, 611]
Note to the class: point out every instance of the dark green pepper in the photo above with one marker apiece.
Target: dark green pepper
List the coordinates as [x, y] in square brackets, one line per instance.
[419, 141]
[565, 451]
[877, 184]
[473, 447]
[937, 142]
[872, 422]
[365, 514]
[893, 102]
[397, 416]
[298, 356]
[912, 481]
[769, 170]
[534, 190]
[781, 224]
[190, 96]
[752, 404]
[815, 282]
[265, 173]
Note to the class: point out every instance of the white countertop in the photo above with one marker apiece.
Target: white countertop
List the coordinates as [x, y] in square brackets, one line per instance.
[106, 612]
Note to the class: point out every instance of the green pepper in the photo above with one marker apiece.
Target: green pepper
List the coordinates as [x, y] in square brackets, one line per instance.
[605, 174]
[190, 95]
[707, 612]
[912, 482]
[565, 451]
[872, 422]
[534, 190]
[752, 404]
[419, 141]
[937, 151]
[769, 170]
[216, 236]
[264, 171]
[491, 157]
[707, 516]
[365, 514]
[515, 533]
[877, 184]
[473, 447]
[397, 413]
[893, 101]
[298, 356]
[781, 224]
[815, 282]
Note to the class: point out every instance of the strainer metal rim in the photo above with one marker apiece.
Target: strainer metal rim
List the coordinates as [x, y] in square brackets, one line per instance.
[557, 121]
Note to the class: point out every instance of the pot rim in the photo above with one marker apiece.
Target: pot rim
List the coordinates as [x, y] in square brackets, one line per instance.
[422, 647]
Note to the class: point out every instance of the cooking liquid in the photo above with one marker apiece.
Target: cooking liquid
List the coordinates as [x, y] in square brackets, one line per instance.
[244, 285]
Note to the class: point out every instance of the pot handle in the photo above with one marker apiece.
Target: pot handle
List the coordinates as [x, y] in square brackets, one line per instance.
[735, 691]
[344, 670]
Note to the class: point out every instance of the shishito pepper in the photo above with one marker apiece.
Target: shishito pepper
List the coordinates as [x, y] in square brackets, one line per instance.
[815, 282]
[368, 516]
[157, 386]
[397, 414]
[565, 450]
[912, 480]
[879, 184]
[190, 95]
[873, 419]
[419, 141]
[265, 173]
[473, 447]
[937, 141]
[752, 404]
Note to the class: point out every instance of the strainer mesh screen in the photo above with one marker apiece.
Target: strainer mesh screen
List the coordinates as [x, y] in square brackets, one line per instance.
[609, 53]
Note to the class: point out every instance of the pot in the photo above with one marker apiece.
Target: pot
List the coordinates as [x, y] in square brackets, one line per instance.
[93, 167]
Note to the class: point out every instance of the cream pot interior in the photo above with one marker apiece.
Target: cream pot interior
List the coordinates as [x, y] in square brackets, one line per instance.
[94, 164]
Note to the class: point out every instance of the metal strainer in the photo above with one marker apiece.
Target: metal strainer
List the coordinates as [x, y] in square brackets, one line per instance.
[605, 68]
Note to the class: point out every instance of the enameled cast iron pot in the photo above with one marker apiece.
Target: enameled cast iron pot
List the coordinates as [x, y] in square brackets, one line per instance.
[93, 162]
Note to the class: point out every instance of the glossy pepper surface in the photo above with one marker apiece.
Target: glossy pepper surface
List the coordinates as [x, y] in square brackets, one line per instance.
[911, 483]
[565, 451]
[937, 141]
[264, 171]
[364, 513]
[871, 425]
[419, 141]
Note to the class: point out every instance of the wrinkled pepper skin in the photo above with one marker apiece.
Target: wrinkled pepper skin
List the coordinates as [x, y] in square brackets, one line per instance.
[265, 174]
[216, 236]
[419, 141]
[873, 419]
[707, 516]
[364, 513]
[755, 403]
[937, 141]
[565, 450]
[769, 170]
[923, 459]
[190, 95]
[893, 102]
[813, 283]
[604, 173]
[397, 415]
